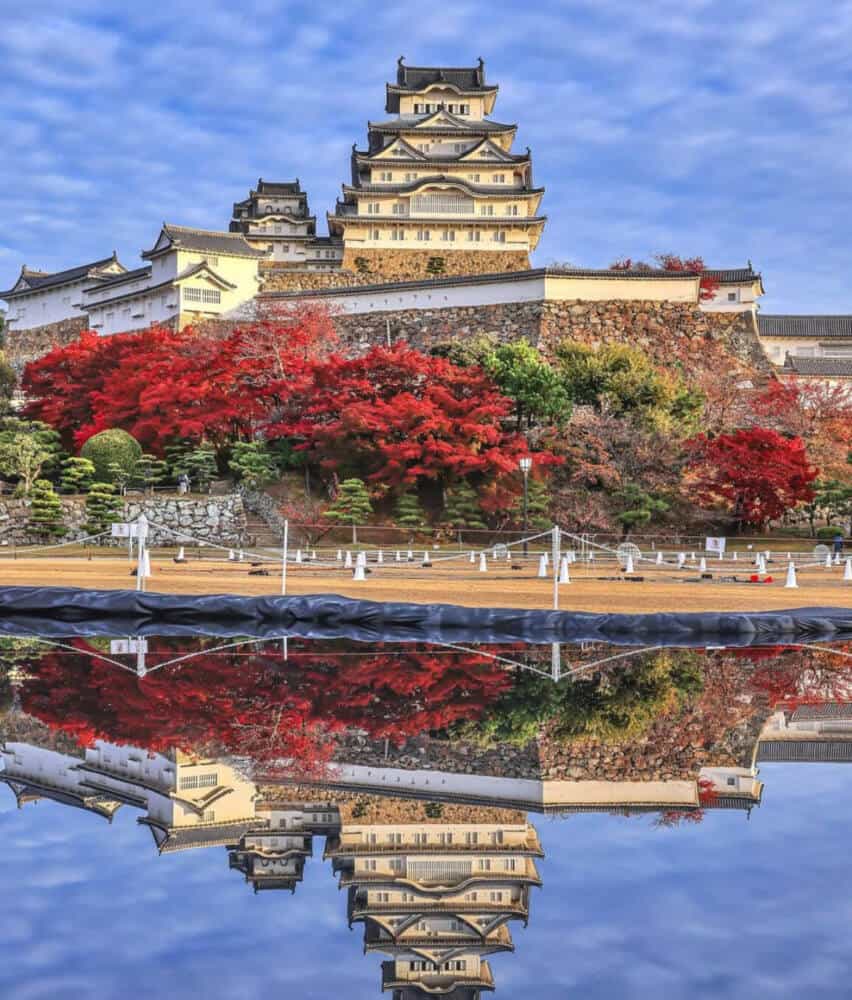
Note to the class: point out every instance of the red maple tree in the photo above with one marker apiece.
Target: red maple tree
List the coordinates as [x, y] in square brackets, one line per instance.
[758, 474]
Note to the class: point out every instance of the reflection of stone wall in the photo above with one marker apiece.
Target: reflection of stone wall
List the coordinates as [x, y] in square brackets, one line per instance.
[411, 265]
[27, 345]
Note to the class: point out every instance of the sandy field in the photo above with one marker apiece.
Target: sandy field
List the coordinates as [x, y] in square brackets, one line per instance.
[600, 588]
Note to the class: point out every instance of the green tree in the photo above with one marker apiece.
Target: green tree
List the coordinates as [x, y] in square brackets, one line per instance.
[436, 265]
[103, 507]
[537, 390]
[8, 381]
[45, 510]
[352, 505]
[22, 457]
[622, 381]
[834, 499]
[408, 513]
[637, 507]
[110, 450]
[149, 471]
[538, 506]
[462, 508]
[252, 463]
[199, 465]
[77, 475]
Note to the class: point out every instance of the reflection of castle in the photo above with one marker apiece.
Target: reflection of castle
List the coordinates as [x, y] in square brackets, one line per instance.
[810, 733]
[436, 894]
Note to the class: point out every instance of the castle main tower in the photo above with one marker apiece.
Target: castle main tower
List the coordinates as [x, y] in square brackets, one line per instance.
[438, 189]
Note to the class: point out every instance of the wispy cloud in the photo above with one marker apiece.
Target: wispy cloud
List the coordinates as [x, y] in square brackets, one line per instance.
[703, 127]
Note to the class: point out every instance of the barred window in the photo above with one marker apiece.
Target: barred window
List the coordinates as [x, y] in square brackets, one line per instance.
[210, 296]
[199, 781]
[443, 204]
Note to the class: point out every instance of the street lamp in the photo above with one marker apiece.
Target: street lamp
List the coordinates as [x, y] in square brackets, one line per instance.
[525, 464]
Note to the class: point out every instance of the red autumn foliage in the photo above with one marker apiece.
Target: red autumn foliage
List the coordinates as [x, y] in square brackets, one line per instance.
[671, 262]
[255, 704]
[395, 415]
[758, 474]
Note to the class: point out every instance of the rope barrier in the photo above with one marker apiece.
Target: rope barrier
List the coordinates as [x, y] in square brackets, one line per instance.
[18, 551]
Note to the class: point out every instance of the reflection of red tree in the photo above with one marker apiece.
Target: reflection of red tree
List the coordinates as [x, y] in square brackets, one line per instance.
[250, 703]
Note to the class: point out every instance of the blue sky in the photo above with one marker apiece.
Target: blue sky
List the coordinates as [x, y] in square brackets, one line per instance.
[731, 908]
[713, 128]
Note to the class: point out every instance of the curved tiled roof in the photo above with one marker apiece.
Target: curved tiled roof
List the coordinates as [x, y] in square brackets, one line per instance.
[463, 77]
[203, 240]
[39, 280]
[818, 367]
[410, 121]
[731, 275]
[804, 326]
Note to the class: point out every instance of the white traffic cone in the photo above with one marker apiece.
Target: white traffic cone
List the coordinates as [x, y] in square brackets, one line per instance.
[483, 563]
[410, 556]
[734, 557]
[702, 566]
[761, 564]
[681, 560]
[398, 556]
[847, 571]
[791, 583]
[181, 556]
[240, 555]
[359, 571]
[628, 566]
[340, 555]
[563, 571]
[347, 562]
[692, 557]
[828, 561]
[542, 566]
[231, 555]
[472, 557]
[298, 555]
[361, 560]
[591, 557]
[836, 558]
[757, 560]
[659, 558]
[380, 556]
[508, 554]
[427, 561]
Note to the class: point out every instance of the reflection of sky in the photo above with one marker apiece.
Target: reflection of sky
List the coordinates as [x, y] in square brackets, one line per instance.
[728, 908]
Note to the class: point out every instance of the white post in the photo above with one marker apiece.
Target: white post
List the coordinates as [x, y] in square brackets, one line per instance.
[398, 556]
[791, 577]
[380, 556]
[347, 563]
[702, 566]
[681, 560]
[141, 542]
[556, 561]
[555, 662]
[483, 563]
[284, 558]
[298, 556]
[659, 557]
[472, 557]
[628, 568]
[828, 560]
[847, 571]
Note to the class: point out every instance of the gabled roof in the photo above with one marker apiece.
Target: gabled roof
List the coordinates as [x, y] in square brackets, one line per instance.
[804, 326]
[30, 280]
[120, 279]
[416, 77]
[201, 240]
[439, 121]
[818, 367]
[443, 180]
[398, 143]
[732, 275]
[278, 187]
[499, 154]
[191, 272]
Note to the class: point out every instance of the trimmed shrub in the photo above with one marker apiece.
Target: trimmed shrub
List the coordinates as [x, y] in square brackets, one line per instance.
[111, 449]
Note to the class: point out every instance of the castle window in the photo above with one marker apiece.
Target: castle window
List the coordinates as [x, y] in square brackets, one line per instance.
[732, 296]
[511, 210]
[498, 236]
[376, 234]
[398, 233]
[464, 109]
[498, 178]
[374, 208]
[211, 296]
[199, 781]
[398, 208]
[424, 235]
[448, 235]
[473, 177]
[386, 175]
[486, 209]
[473, 236]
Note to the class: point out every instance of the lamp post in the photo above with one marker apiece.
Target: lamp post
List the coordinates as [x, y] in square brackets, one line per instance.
[525, 464]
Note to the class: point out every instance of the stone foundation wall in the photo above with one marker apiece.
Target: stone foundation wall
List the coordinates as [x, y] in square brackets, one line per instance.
[282, 279]
[669, 333]
[215, 519]
[413, 265]
[15, 515]
[23, 346]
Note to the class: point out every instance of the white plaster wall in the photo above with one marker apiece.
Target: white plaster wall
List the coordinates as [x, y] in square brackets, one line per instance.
[50, 306]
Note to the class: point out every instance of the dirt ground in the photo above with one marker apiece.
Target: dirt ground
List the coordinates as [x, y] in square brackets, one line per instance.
[600, 588]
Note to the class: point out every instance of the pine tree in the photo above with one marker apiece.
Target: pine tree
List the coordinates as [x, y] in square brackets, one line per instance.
[351, 506]
[408, 513]
[462, 509]
[149, 471]
[253, 463]
[103, 507]
[538, 506]
[77, 475]
[200, 465]
[45, 510]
